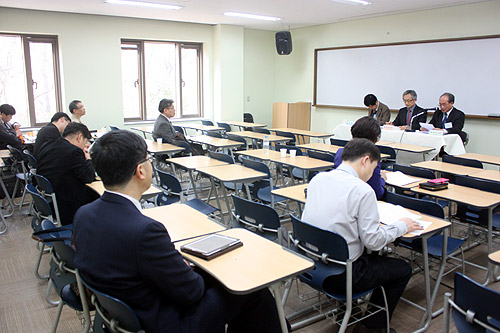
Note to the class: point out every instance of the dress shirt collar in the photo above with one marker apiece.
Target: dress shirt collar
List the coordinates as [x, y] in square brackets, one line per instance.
[412, 108]
[165, 117]
[136, 203]
[349, 169]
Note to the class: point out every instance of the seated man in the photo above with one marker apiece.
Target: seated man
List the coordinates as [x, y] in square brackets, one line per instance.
[9, 134]
[377, 109]
[410, 117]
[77, 110]
[130, 256]
[448, 119]
[65, 162]
[52, 131]
[342, 202]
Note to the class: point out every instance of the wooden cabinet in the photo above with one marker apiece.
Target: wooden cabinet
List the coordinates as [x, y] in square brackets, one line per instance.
[292, 115]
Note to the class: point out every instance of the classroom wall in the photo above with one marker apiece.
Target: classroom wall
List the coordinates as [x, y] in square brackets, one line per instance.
[294, 74]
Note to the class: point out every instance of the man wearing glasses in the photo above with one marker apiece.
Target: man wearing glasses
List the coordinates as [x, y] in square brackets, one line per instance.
[163, 126]
[410, 117]
[448, 119]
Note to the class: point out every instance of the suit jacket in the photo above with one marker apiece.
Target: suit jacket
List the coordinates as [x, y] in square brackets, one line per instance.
[163, 129]
[65, 166]
[47, 133]
[455, 117]
[383, 113]
[8, 136]
[130, 256]
[415, 123]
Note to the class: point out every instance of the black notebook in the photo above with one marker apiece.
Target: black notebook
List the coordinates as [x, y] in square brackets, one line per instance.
[211, 246]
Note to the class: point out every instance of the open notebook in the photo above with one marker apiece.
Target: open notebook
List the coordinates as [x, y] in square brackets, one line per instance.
[390, 213]
[398, 178]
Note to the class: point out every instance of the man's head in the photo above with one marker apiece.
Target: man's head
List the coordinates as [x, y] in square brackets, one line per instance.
[166, 107]
[371, 101]
[6, 112]
[362, 155]
[77, 108]
[367, 128]
[446, 101]
[60, 120]
[410, 98]
[77, 134]
[120, 157]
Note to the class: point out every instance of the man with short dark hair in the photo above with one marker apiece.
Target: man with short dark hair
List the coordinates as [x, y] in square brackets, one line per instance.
[377, 109]
[65, 162]
[410, 117]
[51, 131]
[9, 134]
[163, 126]
[77, 110]
[125, 254]
[448, 119]
[342, 202]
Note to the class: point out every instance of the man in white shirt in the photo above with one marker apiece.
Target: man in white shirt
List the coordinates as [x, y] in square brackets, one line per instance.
[77, 110]
[342, 202]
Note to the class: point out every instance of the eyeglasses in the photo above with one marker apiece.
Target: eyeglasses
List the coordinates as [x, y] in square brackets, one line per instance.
[149, 158]
[408, 100]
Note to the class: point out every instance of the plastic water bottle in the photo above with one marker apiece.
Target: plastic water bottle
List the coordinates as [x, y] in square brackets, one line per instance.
[266, 143]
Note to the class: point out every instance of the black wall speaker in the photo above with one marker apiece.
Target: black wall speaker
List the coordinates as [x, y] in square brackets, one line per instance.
[283, 42]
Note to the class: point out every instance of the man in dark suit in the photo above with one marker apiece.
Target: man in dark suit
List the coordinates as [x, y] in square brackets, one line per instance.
[163, 127]
[412, 115]
[130, 256]
[65, 162]
[377, 109]
[448, 119]
[9, 134]
[52, 131]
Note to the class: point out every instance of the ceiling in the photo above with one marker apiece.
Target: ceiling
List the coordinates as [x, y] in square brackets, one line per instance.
[294, 13]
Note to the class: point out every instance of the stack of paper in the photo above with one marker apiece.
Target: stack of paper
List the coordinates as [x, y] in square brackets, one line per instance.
[389, 214]
[398, 178]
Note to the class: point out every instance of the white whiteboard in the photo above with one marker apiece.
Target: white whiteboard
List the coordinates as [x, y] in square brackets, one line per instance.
[468, 68]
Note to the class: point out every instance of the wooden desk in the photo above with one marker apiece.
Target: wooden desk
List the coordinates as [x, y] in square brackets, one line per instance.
[490, 159]
[492, 175]
[202, 128]
[261, 136]
[303, 133]
[162, 148]
[4, 153]
[183, 222]
[295, 193]
[495, 257]
[409, 147]
[323, 147]
[144, 129]
[258, 264]
[261, 154]
[214, 142]
[242, 124]
[447, 167]
[98, 186]
[305, 163]
[407, 186]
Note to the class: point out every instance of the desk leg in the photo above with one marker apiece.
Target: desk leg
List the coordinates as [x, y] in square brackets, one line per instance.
[7, 197]
[279, 307]
[249, 195]
[224, 193]
[191, 177]
[217, 199]
[489, 273]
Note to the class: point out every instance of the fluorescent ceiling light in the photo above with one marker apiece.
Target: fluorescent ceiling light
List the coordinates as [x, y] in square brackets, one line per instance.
[253, 16]
[143, 4]
[354, 2]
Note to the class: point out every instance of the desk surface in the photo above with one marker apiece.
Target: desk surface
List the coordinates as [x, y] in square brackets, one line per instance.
[233, 173]
[487, 174]
[408, 147]
[466, 195]
[145, 129]
[261, 136]
[311, 134]
[199, 127]
[242, 124]
[4, 153]
[495, 257]
[437, 224]
[155, 147]
[447, 167]
[295, 192]
[257, 264]
[183, 222]
[215, 142]
[195, 162]
[323, 147]
[261, 154]
[303, 162]
[490, 159]
[98, 186]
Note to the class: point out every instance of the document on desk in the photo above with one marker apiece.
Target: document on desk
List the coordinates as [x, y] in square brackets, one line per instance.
[389, 214]
[428, 127]
[398, 178]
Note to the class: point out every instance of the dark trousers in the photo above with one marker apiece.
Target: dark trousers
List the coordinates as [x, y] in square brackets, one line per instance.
[370, 271]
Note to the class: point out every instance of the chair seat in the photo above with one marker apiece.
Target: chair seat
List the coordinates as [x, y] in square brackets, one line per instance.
[70, 298]
[434, 245]
[232, 187]
[264, 194]
[201, 206]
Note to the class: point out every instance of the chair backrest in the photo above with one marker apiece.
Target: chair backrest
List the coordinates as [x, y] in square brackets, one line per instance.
[462, 161]
[43, 184]
[247, 118]
[299, 151]
[261, 218]
[32, 162]
[221, 157]
[422, 206]
[338, 142]
[480, 184]
[413, 171]
[244, 145]
[288, 135]
[261, 130]
[257, 165]
[477, 303]
[19, 159]
[171, 187]
[214, 134]
[179, 129]
[207, 123]
[321, 156]
[113, 128]
[225, 126]
[41, 205]
[387, 150]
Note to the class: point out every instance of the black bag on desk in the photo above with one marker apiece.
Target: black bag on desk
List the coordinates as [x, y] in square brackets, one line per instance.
[433, 186]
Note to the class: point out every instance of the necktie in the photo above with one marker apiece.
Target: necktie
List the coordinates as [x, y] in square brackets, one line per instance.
[408, 117]
[444, 119]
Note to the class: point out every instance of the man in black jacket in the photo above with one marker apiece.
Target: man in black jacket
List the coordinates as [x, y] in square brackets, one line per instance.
[65, 162]
[411, 115]
[52, 131]
[448, 119]
[9, 134]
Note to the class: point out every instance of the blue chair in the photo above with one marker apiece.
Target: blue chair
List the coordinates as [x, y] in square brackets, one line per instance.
[459, 161]
[338, 142]
[261, 189]
[230, 160]
[330, 253]
[225, 126]
[257, 217]
[248, 118]
[207, 123]
[31, 160]
[296, 173]
[215, 134]
[172, 193]
[386, 164]
[20, 172]
[244, 145]
[113, 128]
[261, 130]
[179, 129]
[327, 157]
[474, 308]
[45, 188]
[292, 141]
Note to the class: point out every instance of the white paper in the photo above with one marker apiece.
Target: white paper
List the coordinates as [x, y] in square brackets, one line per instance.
[398, 178]
[427, 126]
[390, 214]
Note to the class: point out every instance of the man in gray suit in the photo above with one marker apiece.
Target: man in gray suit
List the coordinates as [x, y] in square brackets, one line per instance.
[163, 127]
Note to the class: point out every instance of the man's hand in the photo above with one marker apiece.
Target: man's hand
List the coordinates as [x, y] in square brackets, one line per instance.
[403, 128]
[423, 129]
[86, 152]
[411, 224]
[389, 123]
[383, 173]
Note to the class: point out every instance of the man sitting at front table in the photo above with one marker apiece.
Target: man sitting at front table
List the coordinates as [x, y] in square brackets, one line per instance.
[52, 131]
[342, 202]
[127, 255]
[9, 134]
[377, 109]
[65, 162]
[412, 115]
[448, 119]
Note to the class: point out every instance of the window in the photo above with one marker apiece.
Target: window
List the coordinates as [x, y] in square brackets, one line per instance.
[152, 71]
[29, 77]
